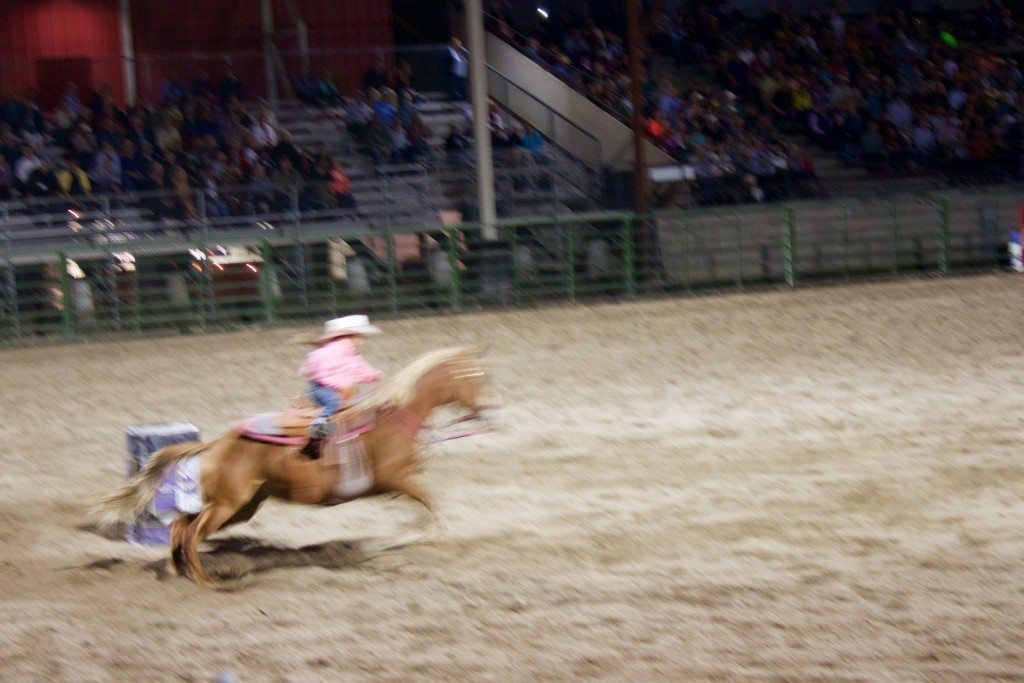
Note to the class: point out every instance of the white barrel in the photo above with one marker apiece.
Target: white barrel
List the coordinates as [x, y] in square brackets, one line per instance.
[143, 441]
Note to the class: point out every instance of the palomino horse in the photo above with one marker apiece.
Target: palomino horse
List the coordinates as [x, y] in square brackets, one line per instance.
[237, 473]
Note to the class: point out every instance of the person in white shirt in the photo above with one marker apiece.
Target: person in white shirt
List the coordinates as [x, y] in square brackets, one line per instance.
[27, 163]
[264, 133]
[458, 70]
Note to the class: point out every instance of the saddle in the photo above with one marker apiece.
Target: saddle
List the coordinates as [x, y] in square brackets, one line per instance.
[291, 427]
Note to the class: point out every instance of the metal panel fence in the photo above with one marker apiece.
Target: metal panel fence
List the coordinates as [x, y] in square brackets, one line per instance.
[203, 281]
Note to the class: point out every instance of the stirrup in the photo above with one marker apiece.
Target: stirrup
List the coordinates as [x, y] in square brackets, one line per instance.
[321, 428]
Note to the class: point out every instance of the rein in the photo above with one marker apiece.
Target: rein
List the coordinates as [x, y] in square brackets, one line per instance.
[411, 426]
[459, 435]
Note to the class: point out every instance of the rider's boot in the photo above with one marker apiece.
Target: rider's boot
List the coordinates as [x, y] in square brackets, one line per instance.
[321, 428]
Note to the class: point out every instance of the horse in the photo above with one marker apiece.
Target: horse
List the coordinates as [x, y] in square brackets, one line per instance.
[237, 473]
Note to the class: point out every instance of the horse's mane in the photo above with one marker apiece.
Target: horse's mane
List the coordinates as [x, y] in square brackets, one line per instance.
[399, 388]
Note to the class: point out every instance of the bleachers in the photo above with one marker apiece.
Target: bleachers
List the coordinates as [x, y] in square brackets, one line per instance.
[416, 193]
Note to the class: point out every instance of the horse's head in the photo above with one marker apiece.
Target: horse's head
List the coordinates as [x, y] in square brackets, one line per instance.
[439, 378]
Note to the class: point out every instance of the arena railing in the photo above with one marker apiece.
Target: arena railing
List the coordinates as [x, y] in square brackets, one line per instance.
[206, 282]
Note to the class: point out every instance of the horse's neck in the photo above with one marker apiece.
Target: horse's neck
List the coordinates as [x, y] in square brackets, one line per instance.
[428, 396]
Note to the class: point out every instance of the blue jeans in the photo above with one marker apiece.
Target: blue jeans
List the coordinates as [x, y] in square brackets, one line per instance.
[325, 397]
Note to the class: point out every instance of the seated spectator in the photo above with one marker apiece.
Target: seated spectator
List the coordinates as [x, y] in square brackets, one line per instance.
[264, 132]
[184, 198]
[72, 180]
[156, 199]
[404, 84]
[399, 145]
[107, 167]
[261, 190]
[69, 100]
[327, 90]
[139, 131]
[533, 142]
[458, 147]
[168, 137]
[306, 89]
[287, 182]
[924, 142]
[286, 148]
[754, 191]
[229, 86]
[203, 86]
[7, 180]
[419, 139]
[42, 181]
[378, 139]
[383, 104]
[171, 90]
[407, 109]
[242, 153]
[340, 186]
[203, 122]
[358, 114]
[376, 77]
[102, 104]
[214, 204]
[10, 147]
[27, 164]
[107, 176]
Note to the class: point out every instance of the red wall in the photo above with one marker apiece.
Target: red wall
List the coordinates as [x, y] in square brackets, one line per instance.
[180, 36]
[34, 30]
[183, 36]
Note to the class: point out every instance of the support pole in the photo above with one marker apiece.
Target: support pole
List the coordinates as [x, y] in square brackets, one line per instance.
[644, 242]
[639, 151]
[481, 122]
[267, 17]
[131, 84]
[301, 35]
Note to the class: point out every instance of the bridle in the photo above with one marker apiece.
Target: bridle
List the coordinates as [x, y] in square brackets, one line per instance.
[411, 425]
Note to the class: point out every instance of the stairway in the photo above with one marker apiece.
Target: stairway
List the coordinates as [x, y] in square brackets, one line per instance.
[413, 194]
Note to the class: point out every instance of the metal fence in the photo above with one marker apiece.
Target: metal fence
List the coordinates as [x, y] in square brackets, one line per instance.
[203, 281]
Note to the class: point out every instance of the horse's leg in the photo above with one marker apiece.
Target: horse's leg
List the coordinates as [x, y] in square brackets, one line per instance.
[246, 512]
[431, 526]
[415, 490]
[212, 517]
[178, 527]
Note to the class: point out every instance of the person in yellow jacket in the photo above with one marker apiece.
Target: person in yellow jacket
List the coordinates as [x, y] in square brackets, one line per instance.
[72, 180]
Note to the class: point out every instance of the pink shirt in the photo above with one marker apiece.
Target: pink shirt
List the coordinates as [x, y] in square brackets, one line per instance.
[338, 365]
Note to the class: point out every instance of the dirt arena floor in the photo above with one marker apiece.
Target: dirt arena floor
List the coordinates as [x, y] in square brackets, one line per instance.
[819, 483]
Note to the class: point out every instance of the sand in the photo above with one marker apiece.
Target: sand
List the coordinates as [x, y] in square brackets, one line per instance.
[812, 483]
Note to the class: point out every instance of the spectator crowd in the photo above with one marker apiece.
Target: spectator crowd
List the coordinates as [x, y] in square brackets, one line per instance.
[893, 90]
[734, 153]
[203, 150]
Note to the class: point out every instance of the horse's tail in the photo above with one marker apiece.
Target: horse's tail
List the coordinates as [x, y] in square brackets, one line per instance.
[131, 499]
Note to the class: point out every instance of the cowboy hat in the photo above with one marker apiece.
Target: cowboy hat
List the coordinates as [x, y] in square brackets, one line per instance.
[349, 325]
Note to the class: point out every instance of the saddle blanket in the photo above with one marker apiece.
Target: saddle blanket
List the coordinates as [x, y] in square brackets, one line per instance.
[354, 474]
[178, 491]
[267, 428]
